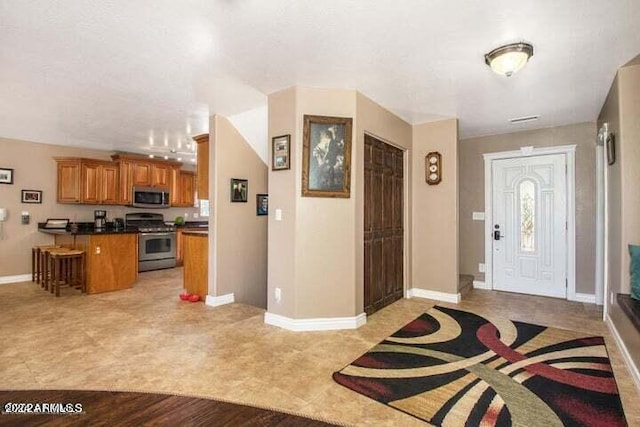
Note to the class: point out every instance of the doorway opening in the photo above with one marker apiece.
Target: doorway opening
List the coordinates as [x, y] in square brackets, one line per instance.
[530, 221]
[383, 224]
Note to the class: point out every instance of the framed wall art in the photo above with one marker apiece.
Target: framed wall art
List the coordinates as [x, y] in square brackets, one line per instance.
[433, 168]
[326, 157]
[239, 190]
[31, 196]
[280, 153]
[6, 176]
[262, 204]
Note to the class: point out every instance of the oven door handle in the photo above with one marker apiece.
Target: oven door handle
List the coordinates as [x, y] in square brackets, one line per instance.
[162, 233]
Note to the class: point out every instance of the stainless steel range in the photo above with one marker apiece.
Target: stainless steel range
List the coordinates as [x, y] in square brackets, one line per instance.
[156, 241]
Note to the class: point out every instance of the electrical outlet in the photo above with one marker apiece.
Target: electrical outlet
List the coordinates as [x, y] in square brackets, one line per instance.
[277, 294]
[482, 268]
[98, 250]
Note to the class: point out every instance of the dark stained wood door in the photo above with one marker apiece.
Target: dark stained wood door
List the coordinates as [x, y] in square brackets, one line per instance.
[383, 224]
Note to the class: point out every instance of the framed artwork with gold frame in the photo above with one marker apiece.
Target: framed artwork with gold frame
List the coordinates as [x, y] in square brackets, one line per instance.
[326, 157]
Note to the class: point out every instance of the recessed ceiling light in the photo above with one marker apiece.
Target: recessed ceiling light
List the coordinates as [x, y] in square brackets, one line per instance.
[151, 156]
[179, 159]
[166, 157]
[193, 160]
[510, 58]
[524, 119]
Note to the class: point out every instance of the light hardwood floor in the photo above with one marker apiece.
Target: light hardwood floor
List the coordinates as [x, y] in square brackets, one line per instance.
[145, 339]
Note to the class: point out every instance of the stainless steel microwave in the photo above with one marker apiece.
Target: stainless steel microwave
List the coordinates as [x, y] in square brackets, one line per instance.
[145, 197]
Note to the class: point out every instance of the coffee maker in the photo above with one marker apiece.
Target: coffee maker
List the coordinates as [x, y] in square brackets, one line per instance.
[99, 219]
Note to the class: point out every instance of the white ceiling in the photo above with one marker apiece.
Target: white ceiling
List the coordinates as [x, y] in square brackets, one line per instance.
[116, 74]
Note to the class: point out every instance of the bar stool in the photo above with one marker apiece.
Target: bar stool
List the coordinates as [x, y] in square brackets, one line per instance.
[45, 263]
[36, 261]
[67, 269]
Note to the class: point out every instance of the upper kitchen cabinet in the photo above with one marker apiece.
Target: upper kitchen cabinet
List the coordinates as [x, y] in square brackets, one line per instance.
[139, 171]
[69, 180]
[202, 172]
[183, 184]
[99, 182]
[142, 173]
[87, 181]
[161, 175]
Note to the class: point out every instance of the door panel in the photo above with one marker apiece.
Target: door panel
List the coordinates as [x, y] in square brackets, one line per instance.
[530, 214]
[383, 224]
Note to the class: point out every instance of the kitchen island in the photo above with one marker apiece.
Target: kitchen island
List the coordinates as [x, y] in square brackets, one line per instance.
[111, 256]
[196, 262]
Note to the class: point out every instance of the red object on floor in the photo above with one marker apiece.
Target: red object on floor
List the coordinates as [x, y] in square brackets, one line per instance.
[194, 298]
[185, 296]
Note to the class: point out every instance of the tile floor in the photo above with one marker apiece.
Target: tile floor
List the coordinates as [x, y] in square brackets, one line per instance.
[145, 339]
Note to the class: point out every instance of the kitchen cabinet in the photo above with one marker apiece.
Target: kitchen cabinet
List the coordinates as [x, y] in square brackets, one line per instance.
[111, 260]
[196, 258]
[87, 181]
[180, 241]
[161, 175]
[99, 182]
[151, 174]
[183, 188]
[142, 173]
[68, 180]
[125, 182]
[202, 172]
[139, 171]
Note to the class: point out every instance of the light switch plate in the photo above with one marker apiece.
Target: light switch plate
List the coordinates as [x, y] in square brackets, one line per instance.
[478, 216]
[278, 214]
[482, 268]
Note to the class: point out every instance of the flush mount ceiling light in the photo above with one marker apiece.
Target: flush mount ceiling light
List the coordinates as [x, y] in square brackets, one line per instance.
[510, 58]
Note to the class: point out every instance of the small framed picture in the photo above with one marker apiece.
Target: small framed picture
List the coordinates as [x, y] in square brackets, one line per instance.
[239, 190]
[31, 196]
[280, 148]
[6, 176]
[262, 204]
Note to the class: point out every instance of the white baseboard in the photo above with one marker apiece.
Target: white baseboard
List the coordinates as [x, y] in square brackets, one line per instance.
[479, 284]
[586, 298]
[319, 324]
[15, 279]
[221, 300]
[633, 369]
[434, 295]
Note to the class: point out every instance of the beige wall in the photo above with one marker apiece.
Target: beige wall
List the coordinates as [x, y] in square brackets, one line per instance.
[35, 169]
[316, 251]
[282, 192]
[621, 110]
[472, 193]
[238, 261]
[629, 150]
[384, 125]
[435, 209]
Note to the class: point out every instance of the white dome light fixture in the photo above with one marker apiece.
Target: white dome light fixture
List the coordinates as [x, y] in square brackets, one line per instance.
[508, 59]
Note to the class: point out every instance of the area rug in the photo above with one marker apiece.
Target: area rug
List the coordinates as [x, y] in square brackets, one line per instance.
[117, 408]
[456, 368]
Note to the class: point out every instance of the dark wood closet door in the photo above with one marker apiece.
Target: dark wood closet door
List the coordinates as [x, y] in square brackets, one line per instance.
[383, 224]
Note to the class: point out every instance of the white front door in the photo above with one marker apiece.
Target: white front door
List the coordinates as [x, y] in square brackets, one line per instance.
[530, 225]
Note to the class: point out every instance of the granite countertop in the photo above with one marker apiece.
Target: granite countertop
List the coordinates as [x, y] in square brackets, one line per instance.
[196, 233]
[193, 224]
[85, 229]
